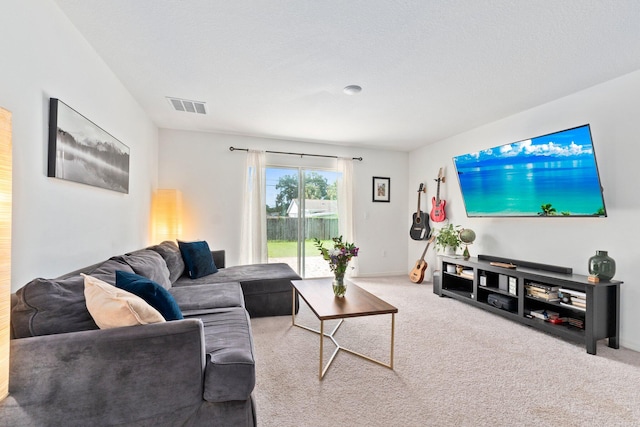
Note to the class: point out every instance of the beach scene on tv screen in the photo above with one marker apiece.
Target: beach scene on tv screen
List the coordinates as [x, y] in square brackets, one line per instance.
[550, 175]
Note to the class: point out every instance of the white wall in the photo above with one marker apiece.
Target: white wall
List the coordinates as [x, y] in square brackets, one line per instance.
[210, 178]
[59, 226]
[612, 109]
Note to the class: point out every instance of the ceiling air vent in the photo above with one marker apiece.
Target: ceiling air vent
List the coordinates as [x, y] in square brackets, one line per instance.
[188, 106]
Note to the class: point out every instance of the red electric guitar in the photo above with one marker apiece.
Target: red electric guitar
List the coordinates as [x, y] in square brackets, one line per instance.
[437, 211]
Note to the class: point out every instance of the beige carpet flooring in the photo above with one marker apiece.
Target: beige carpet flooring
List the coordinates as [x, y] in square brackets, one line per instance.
[455, 365]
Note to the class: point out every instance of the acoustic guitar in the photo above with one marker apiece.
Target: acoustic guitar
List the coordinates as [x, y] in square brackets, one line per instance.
[437, 209]
[417, 274]
[420, 228]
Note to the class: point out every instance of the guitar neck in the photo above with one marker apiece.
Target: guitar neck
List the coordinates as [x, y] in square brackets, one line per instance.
[425, 250]
[440, 179]
[420, 190]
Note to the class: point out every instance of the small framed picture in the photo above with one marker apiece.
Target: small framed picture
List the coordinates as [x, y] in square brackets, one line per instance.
[381, 189]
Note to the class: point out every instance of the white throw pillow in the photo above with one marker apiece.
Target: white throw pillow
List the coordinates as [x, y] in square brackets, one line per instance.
[112, 307]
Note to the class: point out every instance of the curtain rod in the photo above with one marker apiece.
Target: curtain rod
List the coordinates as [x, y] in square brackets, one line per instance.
[294, 154]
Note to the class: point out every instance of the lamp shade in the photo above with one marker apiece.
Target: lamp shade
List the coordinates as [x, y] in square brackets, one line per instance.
[166, 215]
[5, 248]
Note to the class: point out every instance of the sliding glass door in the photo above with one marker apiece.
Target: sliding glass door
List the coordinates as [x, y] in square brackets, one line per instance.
[302, 204]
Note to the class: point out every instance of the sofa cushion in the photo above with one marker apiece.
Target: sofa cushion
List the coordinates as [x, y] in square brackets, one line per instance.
[230, 372]
[106, 271]
[197, 259]
[112, 307]
[202, 299]
[56, 306]
[149, 264]
[266, 288]
[170, 252]
[245, 273]
[154, 294]
[47, 306]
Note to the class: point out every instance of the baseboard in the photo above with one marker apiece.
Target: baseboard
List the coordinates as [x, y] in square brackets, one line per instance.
[385, 274]
[630, 344]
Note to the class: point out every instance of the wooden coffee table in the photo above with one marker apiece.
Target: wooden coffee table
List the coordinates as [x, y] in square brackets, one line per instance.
[357, 302]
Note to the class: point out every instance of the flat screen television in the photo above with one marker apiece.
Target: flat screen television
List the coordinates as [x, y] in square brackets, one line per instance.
[551, 175]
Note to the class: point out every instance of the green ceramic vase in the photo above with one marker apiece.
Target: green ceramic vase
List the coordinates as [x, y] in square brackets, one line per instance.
[602, 266]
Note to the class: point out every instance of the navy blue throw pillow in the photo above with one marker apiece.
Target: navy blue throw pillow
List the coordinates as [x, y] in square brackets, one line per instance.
[197, 258]
[154, 294]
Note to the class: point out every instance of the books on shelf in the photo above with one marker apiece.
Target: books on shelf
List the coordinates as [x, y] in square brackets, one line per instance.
[468, 273]
[578, 323]
[545, 314]
[543, 286]
[578, 303]
[573, 298]
[542, 291]
[573, 293]
[574, 306]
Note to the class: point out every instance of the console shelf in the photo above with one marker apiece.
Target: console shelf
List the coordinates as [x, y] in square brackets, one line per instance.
[597, 317]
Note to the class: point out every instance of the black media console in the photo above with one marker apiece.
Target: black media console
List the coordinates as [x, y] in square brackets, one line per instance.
[548, 298]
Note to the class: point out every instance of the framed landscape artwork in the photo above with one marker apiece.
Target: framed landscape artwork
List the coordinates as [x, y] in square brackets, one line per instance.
[80, 151]
[381, 189]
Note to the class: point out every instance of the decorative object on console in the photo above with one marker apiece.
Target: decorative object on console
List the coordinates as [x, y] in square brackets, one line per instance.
[338, 258]
[5, 247]
[448, 237]
[467, 236]
[381, 189]
[80, 151]
[166, 215]
[601, 267]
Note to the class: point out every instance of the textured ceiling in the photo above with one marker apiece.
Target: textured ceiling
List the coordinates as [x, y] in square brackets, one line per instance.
[429, 68]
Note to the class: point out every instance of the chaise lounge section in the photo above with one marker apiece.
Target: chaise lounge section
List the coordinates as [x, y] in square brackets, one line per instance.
[196, 371]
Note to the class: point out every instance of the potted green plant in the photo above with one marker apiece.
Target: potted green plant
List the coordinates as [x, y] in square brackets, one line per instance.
[449, 237]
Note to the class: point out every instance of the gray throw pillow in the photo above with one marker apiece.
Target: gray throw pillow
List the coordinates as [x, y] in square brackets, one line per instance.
[51, 307]
[171, 253]
[149, 264]
[56, 306]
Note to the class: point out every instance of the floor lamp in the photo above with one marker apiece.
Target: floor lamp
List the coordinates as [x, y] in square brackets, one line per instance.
[167, 215]
[5, 248]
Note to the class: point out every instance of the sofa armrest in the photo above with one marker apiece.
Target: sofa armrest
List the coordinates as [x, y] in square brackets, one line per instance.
[107, 377]
[219, 258]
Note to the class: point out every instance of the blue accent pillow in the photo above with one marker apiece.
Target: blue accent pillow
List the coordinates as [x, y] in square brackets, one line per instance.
[154, 294]
[197, 259]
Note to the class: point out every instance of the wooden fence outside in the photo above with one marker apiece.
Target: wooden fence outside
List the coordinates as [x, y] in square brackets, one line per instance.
[286, 228]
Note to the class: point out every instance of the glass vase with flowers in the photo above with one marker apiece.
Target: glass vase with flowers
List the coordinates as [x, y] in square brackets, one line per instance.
[338, 258]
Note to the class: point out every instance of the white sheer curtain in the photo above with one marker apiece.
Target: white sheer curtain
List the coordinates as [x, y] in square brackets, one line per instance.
[253, 235]
[345, 207]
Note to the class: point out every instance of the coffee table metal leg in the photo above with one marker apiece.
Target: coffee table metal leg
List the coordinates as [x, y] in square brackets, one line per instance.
[322, 370]
[393, 328]
[386, 365]
[293, 307]
[320, 373]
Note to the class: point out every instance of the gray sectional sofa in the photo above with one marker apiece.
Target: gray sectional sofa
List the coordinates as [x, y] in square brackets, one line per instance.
[198, 371]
